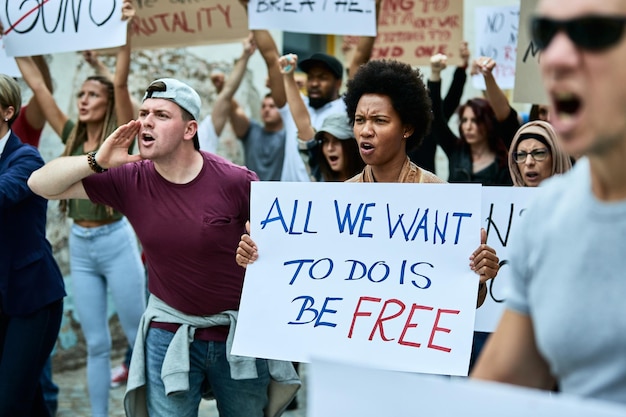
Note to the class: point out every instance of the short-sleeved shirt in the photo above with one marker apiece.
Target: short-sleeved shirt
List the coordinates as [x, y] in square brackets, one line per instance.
[189, 232]
[24, 130]
[207, 136]
[84, 209]
[265, 151]
[568, 274]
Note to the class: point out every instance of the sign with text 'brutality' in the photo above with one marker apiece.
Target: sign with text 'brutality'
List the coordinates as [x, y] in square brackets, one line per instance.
[502, 208]
[338, 17]
[374, 273]
[412, 31]
[167, 23]
[50, 26]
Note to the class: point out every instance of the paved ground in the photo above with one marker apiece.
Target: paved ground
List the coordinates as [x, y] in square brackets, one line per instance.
[74, 399]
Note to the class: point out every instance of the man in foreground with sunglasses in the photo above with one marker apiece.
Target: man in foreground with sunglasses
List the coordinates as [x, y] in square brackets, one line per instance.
[565, 322]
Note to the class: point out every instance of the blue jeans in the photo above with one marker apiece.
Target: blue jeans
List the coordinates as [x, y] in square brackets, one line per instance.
[208, 371]
[102, 259]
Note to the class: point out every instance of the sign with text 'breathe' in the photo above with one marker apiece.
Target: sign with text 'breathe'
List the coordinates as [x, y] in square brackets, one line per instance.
[41, 27]
[339, 17]
[374, 273]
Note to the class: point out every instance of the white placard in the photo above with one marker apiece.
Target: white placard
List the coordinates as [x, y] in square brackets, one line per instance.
[496, 37]
[336, 389]
[8, 66]
[502, 209]
[51, 26]
[354, 17]
[377, 273]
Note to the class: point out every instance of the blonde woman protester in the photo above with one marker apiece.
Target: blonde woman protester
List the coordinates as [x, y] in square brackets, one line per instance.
[104, 254]
[536, 154]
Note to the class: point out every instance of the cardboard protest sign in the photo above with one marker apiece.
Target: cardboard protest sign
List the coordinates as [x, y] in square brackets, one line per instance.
[376, 273]
[413, 31]
[42, 27]
[340, 389]
[164, 23]
[496, 38]
[356, 17]
[502, 208]
[528, 84]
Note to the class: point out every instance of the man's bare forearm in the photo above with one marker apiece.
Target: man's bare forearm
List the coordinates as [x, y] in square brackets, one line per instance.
[61, 178]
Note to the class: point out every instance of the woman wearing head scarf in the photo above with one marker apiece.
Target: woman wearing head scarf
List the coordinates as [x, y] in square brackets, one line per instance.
[536, 154]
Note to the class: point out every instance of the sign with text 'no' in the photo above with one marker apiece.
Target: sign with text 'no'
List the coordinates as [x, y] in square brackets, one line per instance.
[496, 37]
[372, 273]
[41, 27]
[341, 17]
[502, 210]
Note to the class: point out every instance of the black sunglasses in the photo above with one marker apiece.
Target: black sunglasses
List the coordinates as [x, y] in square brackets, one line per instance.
[593, 33]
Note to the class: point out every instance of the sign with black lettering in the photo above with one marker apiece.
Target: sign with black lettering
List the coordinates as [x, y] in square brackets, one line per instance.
[528, 84]
[374, 273]
[339, 17]
[502, 208]
[48, 26]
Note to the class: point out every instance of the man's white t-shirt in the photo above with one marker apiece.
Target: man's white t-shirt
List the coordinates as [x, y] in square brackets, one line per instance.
[294, 168]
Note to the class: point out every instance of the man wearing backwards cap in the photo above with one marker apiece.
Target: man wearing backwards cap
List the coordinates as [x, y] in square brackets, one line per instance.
[188, 208]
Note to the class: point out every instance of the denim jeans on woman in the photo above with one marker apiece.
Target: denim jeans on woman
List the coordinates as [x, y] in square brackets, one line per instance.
[105, 258]
[209, 370]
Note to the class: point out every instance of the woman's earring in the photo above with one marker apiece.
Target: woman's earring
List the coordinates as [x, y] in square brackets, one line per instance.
[6, 120]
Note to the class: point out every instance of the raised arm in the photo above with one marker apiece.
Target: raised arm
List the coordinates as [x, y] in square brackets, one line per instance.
[123, 104]
[269, 51]
[222, 107]
[455, 92]
[33, 113]
[288, 63]
[511, 355]
[440, 129]
[62, 177]
[364, 47]
[493, 93]
[37, 83]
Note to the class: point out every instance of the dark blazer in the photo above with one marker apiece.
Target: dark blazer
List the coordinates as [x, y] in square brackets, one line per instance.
[29, 275]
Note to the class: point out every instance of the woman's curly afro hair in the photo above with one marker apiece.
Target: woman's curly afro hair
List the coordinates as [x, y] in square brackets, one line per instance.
[404, 87]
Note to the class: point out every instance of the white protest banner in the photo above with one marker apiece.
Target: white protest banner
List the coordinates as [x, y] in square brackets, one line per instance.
[375, 272]
[496, 38]
[339, 389]
[354, 17]
[51, 26]
[528, 84]
[412, 32]
[8, 66]
[502, 208]
[166, 23]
